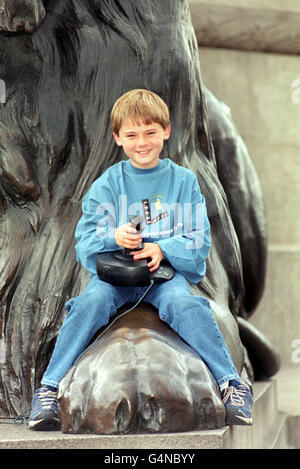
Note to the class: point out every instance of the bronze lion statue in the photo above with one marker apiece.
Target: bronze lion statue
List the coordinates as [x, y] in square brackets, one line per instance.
[64, 63]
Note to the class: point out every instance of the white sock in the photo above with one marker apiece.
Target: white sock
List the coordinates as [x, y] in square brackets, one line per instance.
[224, 386]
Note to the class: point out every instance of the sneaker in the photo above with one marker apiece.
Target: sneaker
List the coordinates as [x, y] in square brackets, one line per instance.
[238, 402]
[44, 410]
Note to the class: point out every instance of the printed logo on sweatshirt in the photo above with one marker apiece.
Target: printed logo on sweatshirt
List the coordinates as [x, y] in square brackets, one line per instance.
[156, 200]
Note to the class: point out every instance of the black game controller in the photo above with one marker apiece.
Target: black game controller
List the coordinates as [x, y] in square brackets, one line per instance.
[118, 267]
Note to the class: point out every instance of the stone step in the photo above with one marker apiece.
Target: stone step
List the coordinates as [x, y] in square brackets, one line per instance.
[18, 437]
[264, 411]
[293, 423]
[278, 438]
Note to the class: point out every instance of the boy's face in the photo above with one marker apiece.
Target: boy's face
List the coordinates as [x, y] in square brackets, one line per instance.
[142, 143]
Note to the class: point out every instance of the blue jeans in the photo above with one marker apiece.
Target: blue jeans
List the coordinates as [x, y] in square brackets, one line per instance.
[188, 315]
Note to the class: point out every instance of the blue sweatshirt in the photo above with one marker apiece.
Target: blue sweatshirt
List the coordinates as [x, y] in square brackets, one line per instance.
[167, 196]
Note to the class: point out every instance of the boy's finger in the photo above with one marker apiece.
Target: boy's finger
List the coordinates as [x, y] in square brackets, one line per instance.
[132, 237]
[153, 267]
[131, 244]
[130, 229]
[138, 255]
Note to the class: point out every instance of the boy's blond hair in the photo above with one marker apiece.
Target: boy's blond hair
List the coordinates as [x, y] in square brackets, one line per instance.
[139, 106]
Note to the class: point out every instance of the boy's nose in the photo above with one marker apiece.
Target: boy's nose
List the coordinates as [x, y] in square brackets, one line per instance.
[142, 140]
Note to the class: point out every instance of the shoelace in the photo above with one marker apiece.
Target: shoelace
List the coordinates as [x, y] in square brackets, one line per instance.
[235, 395]
[47, 398]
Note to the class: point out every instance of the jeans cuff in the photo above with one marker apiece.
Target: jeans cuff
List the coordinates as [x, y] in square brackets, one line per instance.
[226, 379]
[50, 382]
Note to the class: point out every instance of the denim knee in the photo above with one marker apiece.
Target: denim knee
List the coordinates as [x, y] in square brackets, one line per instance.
[183, 308]
[90, 303]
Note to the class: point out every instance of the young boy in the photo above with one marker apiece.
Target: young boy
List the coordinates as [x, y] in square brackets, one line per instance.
[176, 228]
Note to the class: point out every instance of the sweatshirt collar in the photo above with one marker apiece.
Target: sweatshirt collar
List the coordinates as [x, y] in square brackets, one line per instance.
[134, 170]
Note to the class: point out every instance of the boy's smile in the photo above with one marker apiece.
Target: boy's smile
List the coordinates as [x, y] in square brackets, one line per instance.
[142, 143]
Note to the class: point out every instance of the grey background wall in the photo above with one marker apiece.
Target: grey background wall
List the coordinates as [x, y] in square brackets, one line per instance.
[248, 60]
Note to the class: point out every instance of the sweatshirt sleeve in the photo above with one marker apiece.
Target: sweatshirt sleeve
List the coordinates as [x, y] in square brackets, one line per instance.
[95, 231]
[187, 251]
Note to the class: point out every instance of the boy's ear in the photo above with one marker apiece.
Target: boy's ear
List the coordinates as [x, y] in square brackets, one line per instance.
[117, 139]
[167, 132]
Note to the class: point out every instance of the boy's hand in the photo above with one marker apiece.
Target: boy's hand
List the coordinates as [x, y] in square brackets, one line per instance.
[127, 237]
[150, 250]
